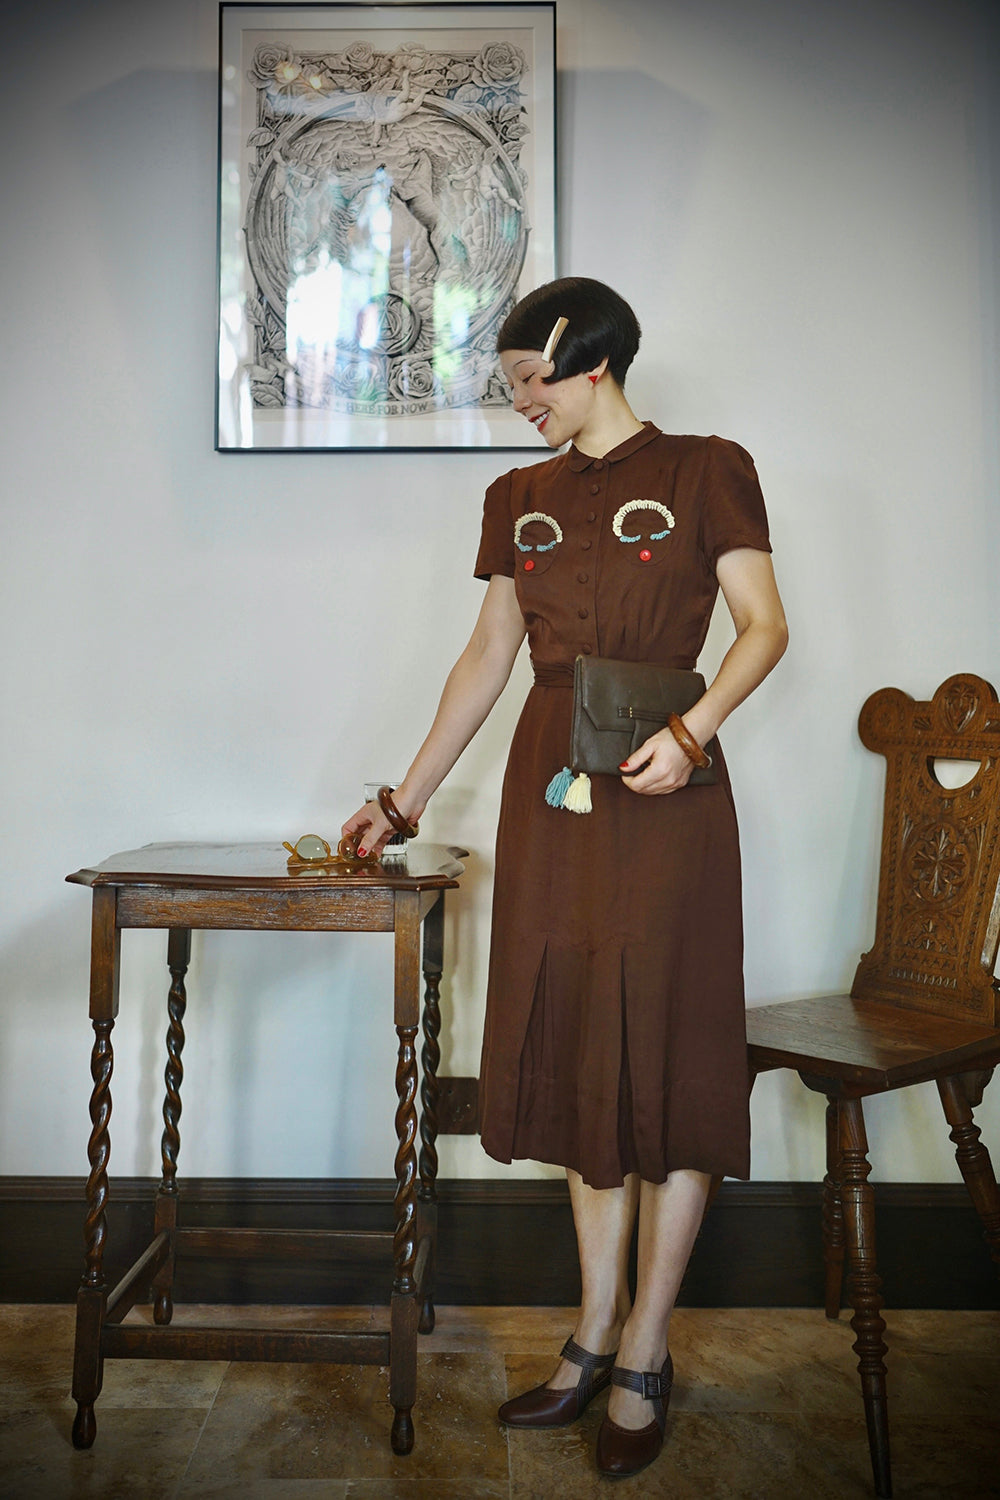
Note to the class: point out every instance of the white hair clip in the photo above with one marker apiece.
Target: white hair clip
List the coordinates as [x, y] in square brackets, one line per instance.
[558, 329]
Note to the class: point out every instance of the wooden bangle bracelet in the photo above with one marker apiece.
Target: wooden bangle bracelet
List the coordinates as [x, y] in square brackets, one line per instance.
[682, 734]
[397, 822]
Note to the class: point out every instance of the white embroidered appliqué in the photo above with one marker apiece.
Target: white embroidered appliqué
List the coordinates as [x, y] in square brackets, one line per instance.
[633, 505]
[536, 515]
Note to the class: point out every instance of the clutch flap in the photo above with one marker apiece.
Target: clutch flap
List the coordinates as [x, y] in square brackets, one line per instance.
[616, 695]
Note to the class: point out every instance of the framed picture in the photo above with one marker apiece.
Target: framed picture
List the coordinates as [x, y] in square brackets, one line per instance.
[386, 193]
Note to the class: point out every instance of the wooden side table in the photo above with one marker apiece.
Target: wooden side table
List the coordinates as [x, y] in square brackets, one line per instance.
[248, 886]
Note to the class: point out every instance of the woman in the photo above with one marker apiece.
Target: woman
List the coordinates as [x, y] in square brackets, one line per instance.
[614, 1042]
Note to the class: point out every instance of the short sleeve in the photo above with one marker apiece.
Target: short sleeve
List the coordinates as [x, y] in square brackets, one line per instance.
[496, 546]
[732, 505]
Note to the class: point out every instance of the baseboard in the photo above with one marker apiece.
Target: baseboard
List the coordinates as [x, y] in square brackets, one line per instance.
[500, 1242]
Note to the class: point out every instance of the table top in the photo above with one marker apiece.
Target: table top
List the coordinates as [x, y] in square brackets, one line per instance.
[242, 866]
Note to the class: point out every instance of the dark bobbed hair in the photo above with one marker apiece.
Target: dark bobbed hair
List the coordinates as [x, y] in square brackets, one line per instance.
[600, 324]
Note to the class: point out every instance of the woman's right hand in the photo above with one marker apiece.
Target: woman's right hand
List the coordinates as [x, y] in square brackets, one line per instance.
[372, 827]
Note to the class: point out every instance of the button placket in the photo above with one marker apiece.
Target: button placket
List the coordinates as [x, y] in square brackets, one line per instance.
[586, 576]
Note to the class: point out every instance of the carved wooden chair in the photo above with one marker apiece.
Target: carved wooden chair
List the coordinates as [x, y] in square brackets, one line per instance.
[924, 1004]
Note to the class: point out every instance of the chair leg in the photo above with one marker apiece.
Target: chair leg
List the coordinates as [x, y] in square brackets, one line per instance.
[973, 1159]
[833, 1212]
[864, 1285]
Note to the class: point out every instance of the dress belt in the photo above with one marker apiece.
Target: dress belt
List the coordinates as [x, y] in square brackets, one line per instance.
[560, 674]
[553, 674]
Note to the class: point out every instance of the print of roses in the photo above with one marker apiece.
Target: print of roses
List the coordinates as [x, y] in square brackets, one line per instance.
[266, 61]
[359, 57]
[412, 381]
[498, 62]
[362, 379]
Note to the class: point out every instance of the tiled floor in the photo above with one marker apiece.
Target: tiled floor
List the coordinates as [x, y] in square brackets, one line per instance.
[766, 1404]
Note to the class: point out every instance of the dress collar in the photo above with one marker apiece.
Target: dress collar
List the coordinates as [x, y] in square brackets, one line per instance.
[579, 461]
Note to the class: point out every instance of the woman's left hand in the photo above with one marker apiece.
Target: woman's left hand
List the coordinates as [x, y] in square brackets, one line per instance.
[668, 767]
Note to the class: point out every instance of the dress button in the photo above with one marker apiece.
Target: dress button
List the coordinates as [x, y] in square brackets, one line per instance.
[599, 464]
[582, 577]
[583, 613]
[592, 515]
[586, 546]
[586, 650]
[595, 489]
[529, 566]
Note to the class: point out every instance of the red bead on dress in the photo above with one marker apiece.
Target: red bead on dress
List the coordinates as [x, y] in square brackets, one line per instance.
[645, 555]
[529, 564]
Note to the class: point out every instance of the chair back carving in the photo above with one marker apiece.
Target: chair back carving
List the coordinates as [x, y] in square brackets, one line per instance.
[938, 917]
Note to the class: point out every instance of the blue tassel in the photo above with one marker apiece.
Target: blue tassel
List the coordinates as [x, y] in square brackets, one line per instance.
[555, 792]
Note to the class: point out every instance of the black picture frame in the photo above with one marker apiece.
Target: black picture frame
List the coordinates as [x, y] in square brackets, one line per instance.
[386, 193]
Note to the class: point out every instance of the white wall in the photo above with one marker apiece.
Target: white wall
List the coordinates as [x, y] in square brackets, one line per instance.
[801, 199]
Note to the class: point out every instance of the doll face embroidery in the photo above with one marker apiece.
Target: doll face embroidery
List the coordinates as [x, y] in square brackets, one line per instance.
[623, 514]
[531, 517]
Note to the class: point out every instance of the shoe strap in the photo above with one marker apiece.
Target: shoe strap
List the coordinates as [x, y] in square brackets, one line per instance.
[651, 1385]
[577, 1355]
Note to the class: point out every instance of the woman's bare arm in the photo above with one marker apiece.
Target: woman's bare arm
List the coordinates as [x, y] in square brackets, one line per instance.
[474, 684]
[746, 578]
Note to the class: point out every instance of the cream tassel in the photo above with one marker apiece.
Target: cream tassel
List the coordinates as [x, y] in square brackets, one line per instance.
[577, 799]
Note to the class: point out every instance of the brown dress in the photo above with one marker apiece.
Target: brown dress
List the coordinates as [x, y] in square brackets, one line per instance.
[614, 1038]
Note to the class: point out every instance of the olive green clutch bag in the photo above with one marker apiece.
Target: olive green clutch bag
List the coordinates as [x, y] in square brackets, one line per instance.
[617, 705]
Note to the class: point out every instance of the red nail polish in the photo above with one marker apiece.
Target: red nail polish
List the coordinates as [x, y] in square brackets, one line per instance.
[623, 766]
[362, 853]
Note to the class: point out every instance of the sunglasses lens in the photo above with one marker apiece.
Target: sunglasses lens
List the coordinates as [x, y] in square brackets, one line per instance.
[311, 846]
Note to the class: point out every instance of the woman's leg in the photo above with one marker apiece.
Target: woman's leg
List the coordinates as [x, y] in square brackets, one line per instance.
[670, 1215]
[603, 1218]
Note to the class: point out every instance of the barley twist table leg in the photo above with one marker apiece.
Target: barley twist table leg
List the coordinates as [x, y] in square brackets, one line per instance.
[430, 1059]
[92, 1296]
[404, 1241]
[402, 1373]
[178, 958]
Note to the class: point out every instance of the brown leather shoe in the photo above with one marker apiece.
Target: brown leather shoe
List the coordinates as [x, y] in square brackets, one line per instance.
[624, 1450]
[544, 1407]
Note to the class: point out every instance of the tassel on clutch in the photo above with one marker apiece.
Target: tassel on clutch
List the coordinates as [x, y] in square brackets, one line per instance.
[570, 792]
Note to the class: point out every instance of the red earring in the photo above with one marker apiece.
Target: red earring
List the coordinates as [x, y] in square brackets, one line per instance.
[592, 379]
